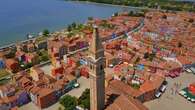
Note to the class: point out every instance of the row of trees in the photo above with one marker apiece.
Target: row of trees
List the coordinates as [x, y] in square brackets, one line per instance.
[75, 26]
[43, 55]
[164, 4]
[137, 14]
[84, 99]
[70, 102]
[46, 32]
[105, 24]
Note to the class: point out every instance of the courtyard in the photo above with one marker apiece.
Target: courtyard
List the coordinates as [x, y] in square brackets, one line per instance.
[171, 101]
[46, 68]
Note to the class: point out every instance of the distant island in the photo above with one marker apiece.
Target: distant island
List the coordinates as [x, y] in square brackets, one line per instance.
[174, 5]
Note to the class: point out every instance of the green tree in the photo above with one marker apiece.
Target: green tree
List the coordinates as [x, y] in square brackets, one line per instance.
[116, 14]
[59, 108]
[174, 5]
[69, 102]
[44, 58]
[84, 99]
[90, 18]
[45, 32]
[29, 65]
[74, 25]
[69, 28]
[38, 53]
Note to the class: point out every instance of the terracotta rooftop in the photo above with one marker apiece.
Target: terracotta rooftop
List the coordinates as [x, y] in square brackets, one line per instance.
[153, 83]
[122, 88]
[124, 103]
[10, 61]
[7, 88]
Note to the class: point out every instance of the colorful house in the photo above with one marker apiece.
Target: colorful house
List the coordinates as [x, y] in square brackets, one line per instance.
[41, 45]
[12, 65]
[43, 97]
[6, 103]
[7, 90]
[23, 81]
[57, 71]
[31, 47]
[23, 98]
[36, 73]
[20, 56]
[32, 58]
[2, 64]
[111, 59]
[57, 48]
[60, 87]
[84, 71]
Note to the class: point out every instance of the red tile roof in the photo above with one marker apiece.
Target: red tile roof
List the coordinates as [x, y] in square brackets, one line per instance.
[124, 103]
[123, 88]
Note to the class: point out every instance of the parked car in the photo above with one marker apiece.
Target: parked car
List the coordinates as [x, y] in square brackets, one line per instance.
[76, 85]
[163, 88]
[188, 70]
[193, 70]
[111, 66]
[158, 94]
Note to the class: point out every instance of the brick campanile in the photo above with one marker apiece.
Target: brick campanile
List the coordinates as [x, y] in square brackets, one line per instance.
[96, 64]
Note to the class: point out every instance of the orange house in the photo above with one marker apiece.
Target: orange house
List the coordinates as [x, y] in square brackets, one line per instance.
[58, 70]
[12, 65]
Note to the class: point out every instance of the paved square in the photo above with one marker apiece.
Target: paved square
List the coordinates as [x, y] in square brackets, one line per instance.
[46, 68]
[84, 84]
[173, 102]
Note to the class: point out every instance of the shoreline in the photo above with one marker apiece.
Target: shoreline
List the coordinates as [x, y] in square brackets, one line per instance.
[124, 6]
[8, 45]
[113, 5]
[11, 44]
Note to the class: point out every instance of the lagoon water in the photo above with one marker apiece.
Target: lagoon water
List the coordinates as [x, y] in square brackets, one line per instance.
[20, 17]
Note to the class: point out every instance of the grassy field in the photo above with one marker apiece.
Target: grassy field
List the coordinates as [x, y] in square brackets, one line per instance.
[3, 73]
[4, 76]
[40, 39]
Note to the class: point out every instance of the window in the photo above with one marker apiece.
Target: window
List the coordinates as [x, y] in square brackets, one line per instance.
[101, 67]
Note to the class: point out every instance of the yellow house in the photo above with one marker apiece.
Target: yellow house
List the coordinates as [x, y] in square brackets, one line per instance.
[36, 73]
